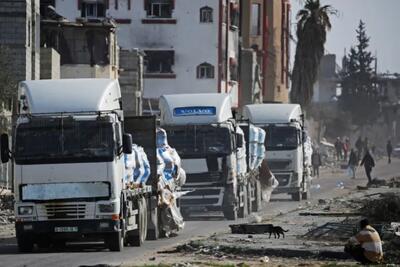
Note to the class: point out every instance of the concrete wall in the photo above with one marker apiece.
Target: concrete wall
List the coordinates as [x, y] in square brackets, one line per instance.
[325, 87]
[17, 31]
[49, 64]
[131, 81]
[250, 78]
[86, 71]
[193, 42]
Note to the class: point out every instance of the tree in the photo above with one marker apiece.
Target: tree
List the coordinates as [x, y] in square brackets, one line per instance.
[359, 92]
[8, 86]
[313, 22]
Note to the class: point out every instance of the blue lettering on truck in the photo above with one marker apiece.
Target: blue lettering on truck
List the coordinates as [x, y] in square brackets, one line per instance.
[195, 111]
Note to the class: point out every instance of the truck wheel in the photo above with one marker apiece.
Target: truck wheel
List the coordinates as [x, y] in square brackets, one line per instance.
[250, 194]
[243, 211]
[306, 195]
[230, 213]
[115, 242]
[43, 243]
[139, 236]
[296, 196]
[25, 244]
[257, 204]
[153, 221]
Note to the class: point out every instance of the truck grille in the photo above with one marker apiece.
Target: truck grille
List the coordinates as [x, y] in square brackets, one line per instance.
[279, 165]
[65, 211]
[283, 179]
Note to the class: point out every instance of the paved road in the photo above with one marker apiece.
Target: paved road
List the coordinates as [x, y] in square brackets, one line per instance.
[88, 255]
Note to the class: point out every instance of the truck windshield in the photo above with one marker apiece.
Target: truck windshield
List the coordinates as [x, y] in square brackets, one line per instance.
[44, 141]
[65, 191]
[199, 141]
[281, 138]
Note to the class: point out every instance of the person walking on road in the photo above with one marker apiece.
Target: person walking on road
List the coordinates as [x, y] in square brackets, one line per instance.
[339, 149]
[353, 163]
[368, 163]
[316, 162]
[389, 149]
[366, 246]
[346, 148]
[359, 145]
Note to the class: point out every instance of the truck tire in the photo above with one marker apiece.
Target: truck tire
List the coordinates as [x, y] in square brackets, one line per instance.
[306, 195]
[296, 196]
[243, 210]
[25, 244]
[138, 236]
[153, 232]
[257, 204]
[250, 200]
[43, 243]
[115, 241]
[230, 213]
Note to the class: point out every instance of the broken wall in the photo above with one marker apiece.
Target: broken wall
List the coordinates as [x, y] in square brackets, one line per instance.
[86, 51]
[131, 81]
[49, 64]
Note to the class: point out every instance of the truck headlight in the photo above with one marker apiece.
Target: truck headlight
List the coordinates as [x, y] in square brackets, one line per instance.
[106, 208]
[25, 210]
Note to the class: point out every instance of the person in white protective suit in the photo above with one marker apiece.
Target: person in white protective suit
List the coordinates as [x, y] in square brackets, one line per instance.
[172, 176]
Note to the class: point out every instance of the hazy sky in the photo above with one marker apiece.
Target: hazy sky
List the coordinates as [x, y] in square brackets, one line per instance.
[382, 18]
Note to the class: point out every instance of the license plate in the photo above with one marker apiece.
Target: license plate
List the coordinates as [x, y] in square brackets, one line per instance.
[66, 229]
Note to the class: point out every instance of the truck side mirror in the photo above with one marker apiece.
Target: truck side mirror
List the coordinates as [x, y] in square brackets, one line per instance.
[5, 148]
[127, 143]
[239, 140]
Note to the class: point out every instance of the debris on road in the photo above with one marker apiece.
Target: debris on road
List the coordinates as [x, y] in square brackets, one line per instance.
[250, 228]
[317, 236]
[6, 207]
[385, 209]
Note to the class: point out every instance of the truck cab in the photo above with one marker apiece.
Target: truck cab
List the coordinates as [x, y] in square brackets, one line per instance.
[284, 144]
[68, 154]
[202, 129]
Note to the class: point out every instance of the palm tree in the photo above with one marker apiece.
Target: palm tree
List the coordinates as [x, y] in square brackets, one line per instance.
[312, 25]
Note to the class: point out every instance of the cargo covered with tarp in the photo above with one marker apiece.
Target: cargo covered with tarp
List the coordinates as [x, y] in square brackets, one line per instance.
[154, 162]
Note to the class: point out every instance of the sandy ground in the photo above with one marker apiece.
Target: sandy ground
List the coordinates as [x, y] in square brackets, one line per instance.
[311, 240]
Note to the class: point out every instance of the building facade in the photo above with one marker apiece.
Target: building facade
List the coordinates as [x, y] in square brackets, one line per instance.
[265, 29]
[19, 37]
[87, 49]
[276, 81]
[190, 46]
[20, 33]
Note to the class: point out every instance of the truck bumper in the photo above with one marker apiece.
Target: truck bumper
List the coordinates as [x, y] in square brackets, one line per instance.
[67, 230]
[286, 190]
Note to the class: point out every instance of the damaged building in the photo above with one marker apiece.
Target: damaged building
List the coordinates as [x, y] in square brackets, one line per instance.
[87, 49]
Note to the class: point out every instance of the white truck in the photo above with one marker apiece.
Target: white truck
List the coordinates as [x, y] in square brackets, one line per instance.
[212, 148]
[68, 152]
[287, 145]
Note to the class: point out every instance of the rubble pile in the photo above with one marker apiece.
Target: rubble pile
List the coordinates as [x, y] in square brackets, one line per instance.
[6, 209]
[394, 182]
[384, 209]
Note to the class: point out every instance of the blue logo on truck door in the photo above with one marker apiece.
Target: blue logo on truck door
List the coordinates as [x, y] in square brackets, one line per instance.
[195, 111]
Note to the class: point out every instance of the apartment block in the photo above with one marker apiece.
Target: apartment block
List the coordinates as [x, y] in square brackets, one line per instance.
[190, 46]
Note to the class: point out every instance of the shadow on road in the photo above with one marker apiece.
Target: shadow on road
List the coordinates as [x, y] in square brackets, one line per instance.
[8, 246]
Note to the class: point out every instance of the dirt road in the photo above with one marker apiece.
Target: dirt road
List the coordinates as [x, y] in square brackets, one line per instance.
[78, 255]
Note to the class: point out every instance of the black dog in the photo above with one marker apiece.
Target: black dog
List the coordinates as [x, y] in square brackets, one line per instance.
[277, 231]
